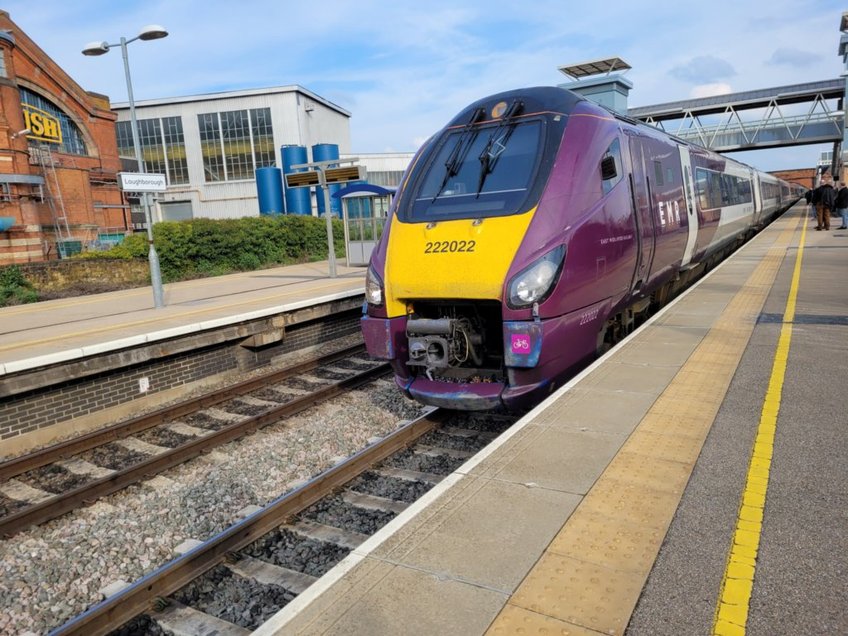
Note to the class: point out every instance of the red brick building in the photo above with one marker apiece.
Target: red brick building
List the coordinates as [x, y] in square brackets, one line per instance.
[801, 176]
[58, 157]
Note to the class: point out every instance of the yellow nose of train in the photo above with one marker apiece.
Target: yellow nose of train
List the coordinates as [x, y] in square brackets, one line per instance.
[466, 258]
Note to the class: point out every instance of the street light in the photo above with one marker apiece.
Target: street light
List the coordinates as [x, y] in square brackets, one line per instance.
[150, 32]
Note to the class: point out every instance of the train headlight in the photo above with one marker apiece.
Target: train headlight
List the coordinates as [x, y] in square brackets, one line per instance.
[373, 287]
[535, 283]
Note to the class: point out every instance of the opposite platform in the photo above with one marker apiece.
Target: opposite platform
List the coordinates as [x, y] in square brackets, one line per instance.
[70, 366]
[557, 526]
[60, 330]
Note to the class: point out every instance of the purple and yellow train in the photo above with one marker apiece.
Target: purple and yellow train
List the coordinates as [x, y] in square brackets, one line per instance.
[534, 231]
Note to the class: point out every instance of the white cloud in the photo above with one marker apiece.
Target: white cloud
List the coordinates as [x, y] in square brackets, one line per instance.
[794, 57]
[703, 67]
[710, 90]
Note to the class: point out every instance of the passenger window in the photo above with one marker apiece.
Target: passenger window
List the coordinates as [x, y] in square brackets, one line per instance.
[611, 171]
[658, 173]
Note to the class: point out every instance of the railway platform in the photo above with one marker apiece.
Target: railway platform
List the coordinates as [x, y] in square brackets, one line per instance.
[56, 355]
[691, 481]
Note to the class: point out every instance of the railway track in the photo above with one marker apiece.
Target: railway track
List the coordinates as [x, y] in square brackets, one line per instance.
[91, 466]
[237, 579]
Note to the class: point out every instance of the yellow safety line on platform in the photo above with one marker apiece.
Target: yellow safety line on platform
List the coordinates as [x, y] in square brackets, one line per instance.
[738, 581]
[159, 318]
[591, 575]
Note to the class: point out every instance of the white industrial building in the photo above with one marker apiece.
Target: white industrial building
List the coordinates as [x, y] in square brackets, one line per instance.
[210, 146]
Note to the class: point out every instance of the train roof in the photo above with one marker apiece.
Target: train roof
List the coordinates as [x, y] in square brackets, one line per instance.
[536, 99]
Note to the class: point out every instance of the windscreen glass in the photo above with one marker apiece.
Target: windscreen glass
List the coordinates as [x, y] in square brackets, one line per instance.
[477, 172]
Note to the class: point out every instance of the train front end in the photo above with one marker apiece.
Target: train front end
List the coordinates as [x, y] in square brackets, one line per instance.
[445, 304]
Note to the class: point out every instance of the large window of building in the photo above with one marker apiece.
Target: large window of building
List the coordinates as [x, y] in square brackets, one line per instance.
[72, 139]
[152, 149]
[385, 178]
[175, 153]
[263, 137]
[162, 146]
[235, 143]
[235, 130]
[210, 143]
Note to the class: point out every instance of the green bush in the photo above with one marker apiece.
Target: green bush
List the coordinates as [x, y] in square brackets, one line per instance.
[207, 247]
[14, 288]
[133, 246]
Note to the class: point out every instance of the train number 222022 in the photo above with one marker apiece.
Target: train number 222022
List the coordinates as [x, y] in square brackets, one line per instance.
[443, 247]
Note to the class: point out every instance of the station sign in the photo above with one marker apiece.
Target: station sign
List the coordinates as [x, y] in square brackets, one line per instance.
[142, 182]
[303, 179]
[331, 176]
[343, 175]
[42, 125]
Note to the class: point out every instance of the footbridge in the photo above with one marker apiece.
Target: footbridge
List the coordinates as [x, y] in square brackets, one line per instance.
[800, 114]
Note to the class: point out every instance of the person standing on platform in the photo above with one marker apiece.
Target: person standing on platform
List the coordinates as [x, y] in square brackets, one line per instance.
[815, 197]
[826, 199]
[841, 205]
[811, 207]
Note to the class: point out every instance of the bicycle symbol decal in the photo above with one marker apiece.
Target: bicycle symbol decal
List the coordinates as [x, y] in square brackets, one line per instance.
[520, 343]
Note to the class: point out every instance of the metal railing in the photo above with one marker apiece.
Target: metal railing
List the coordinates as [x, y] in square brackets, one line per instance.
[720, 136]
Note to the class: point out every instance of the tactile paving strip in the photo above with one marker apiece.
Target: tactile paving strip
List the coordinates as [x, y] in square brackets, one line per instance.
[594, 570]
[517, 620]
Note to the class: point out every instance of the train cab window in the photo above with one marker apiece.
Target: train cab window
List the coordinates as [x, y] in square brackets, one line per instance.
[611, 171]
[488, 171]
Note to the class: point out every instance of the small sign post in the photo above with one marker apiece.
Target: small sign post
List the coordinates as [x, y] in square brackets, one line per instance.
[320, 174]
[142, 182]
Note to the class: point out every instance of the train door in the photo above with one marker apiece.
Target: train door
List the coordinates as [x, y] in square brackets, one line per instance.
[640, 192]
[758, 197]
[691, 210]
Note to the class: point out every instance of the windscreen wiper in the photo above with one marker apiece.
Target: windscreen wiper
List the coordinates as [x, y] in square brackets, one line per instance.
[460, 150]
[495, 147]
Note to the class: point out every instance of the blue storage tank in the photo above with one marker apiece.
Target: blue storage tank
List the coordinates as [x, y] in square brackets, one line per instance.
[269, 187]
[327, 152]
[298, 200]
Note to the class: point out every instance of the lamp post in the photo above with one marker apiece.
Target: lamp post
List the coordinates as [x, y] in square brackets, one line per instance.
[150, 32]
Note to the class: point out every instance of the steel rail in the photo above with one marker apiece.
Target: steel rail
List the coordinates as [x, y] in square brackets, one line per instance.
[50, 454]
[137, 598]
[90, 492]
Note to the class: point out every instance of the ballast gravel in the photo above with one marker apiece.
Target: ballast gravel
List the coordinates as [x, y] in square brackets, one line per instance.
[389, 487]
[284, 548]
[53, 478]
[332, 511]
[53, 572]
[232, 598]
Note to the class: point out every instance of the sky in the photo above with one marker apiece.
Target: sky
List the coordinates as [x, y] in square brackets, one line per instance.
[404, 68]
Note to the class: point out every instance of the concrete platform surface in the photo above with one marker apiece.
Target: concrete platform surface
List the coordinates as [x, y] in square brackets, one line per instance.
[558, 526]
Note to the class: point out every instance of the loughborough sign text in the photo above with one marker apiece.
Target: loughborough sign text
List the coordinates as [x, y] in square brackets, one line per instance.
[142, 182]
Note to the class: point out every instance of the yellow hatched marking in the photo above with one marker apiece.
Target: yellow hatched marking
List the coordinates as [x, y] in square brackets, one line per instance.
[591, 553]
[737, 584]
